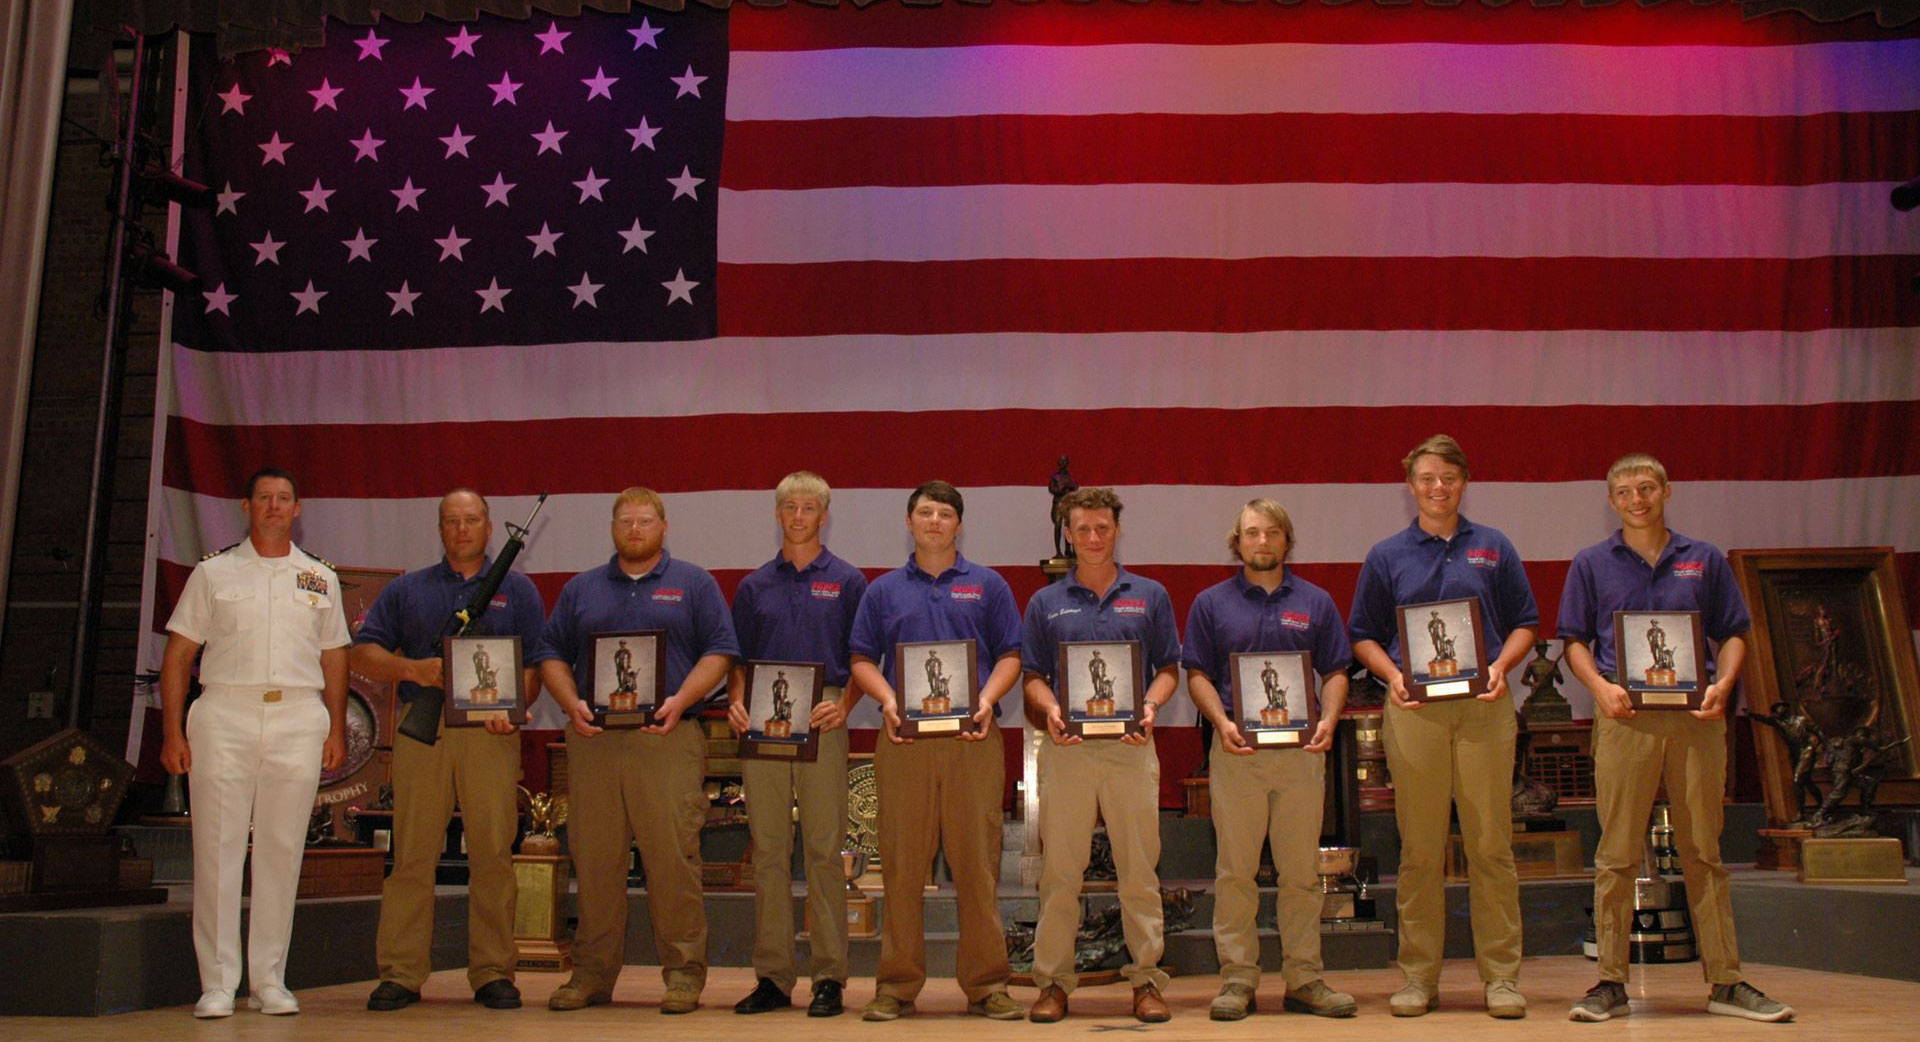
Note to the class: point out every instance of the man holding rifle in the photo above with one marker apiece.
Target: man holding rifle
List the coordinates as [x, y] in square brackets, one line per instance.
[476, 766]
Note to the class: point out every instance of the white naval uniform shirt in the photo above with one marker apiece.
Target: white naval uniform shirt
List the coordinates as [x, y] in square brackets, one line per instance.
[262, 620]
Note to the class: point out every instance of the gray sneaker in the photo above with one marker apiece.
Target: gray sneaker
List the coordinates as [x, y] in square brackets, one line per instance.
[1604, 1001]
[1745, 1000]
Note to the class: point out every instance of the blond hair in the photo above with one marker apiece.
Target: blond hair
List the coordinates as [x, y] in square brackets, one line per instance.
[1636, 462]
[803, 483]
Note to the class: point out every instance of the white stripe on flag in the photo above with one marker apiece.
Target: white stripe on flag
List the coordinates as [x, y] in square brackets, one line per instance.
[1802, 79]
[1165, 524]
[1094, 371]
[1310, 220]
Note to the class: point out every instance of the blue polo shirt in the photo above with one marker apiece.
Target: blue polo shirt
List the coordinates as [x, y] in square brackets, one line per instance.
[787, 614]
[1412, 567]
[965, 602]
[1610, 576]
[1235, 615]
[675, 596]
[1135, 608]
[411, 613]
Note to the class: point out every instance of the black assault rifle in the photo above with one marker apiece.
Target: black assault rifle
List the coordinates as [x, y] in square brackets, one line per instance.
[422, 722]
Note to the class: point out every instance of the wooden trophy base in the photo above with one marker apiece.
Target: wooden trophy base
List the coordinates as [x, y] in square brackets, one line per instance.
[1199, 797]
[1275, 718]
[538, 955]
[1780, 849]
[779, 729]
[1662, 678]
[354, 871]
[1443, 667]
[863, 915]
[936, 706]
[1874, 859]
[1536, 855]
[1100, 707]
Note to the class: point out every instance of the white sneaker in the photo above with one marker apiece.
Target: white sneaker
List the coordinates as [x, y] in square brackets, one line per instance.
[214, 1002]
[274, 1001]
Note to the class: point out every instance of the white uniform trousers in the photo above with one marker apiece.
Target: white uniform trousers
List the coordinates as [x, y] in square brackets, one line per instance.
[256, 766]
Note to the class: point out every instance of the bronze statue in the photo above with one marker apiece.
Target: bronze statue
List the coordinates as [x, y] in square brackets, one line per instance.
[1803, 748]
[1856, 761]
[1543, 677]
[1657, 646]
[1058, 486]
[782, 701]
[1437, 633]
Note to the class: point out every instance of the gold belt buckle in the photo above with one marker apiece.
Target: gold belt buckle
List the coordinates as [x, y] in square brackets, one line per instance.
[270, 696]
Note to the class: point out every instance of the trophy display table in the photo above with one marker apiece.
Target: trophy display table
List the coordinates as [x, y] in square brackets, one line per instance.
[1868, 859]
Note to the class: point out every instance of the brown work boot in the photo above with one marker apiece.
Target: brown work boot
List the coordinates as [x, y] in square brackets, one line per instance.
[1149, 1007]
[1050, 1006]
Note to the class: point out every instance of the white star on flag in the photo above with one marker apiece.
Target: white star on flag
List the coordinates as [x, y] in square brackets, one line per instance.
[218, 298]
[367, 146]
[643, 135]
[234, 100]
[316, 197]
[506, 90]
[549, 139]
[457, 142]
[687, 82]
[685, 184]
[402, 298]
[636, 238]
[370, 47]
[226, 199]
[463, 42]
[274, 151]
[324, 95]
[450, 246]
[279, 56]
[545, 240]
[680, 288]
[645, 35]
[494, 297]
[590, 186]
[497, 191]
[416, 95]
[585, 292]
[601, 85]
[554, 39]
[266, 251]
[359, 247]
[407, 197]
[309, 299]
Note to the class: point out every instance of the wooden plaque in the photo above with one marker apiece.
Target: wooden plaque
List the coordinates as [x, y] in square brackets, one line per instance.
[780, 697]
[1099, 685]
[1661, 658]
[1442, 650]
[936, 682]
[1275, 699]
[629, 671]
[483, 681]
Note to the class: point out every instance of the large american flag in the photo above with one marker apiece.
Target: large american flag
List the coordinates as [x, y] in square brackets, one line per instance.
[1209, 251]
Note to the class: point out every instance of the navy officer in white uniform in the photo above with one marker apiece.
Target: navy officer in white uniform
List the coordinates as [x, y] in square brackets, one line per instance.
[272, 713]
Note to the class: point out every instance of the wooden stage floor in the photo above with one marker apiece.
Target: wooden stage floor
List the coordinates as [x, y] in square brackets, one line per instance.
[1668, 1005]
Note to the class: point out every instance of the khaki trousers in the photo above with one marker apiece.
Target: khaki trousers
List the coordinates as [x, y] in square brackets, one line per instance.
[627, 787]
[1079, 783]
[1458, 753]
[1275, 796]
[941, 794]
[477, 771]
[820, 788]
[1630, 757]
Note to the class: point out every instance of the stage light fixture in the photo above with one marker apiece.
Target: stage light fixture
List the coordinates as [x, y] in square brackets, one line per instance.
[1907, 196]
[154, 268]
[166, 184]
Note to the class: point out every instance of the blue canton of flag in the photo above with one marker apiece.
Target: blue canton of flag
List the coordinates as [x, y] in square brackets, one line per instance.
[437, 185]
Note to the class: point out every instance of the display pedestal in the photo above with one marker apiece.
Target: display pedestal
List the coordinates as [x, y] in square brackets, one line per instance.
[539, 913]
[1875, 859]
[1780, 849]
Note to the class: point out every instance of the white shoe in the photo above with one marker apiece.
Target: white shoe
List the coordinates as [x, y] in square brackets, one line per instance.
[273, 1000]
[214, 1002]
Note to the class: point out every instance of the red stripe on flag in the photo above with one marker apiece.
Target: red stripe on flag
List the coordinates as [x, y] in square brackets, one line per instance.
[1322, 147]
[1292, 293]
[1124, 446]
[798, 28]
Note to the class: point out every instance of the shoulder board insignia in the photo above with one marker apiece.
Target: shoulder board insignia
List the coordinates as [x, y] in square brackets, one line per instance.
[211, 554]
[329, 565]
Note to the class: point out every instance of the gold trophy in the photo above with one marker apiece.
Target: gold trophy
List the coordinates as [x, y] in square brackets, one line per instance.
[542, 873]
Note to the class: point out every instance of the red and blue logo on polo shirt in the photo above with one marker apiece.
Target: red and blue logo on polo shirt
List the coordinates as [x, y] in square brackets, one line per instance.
[1296, 620]
[1130, 606]
[1695, 570]
[668, 593]
[1483, 558]
[826, 590]
[968, 593]
[499, 601]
